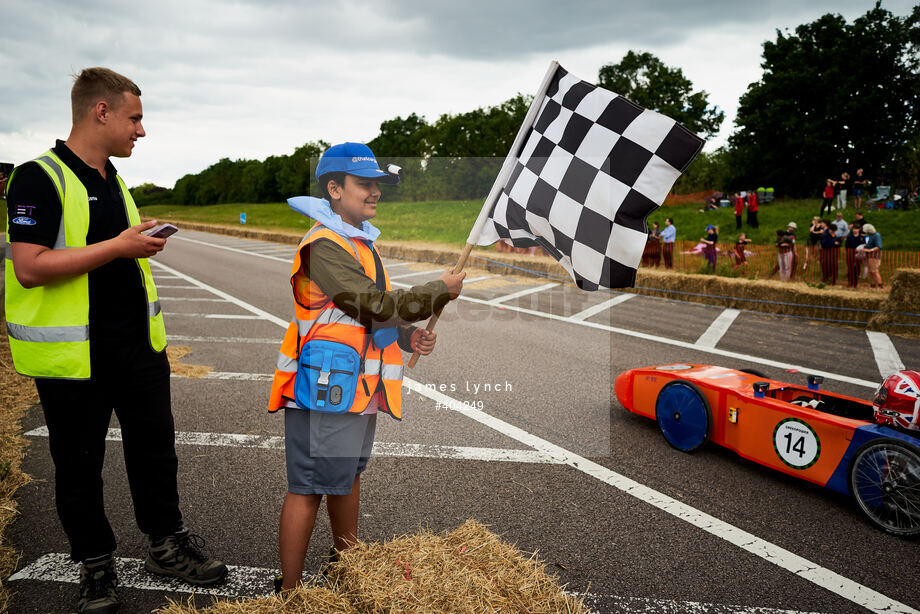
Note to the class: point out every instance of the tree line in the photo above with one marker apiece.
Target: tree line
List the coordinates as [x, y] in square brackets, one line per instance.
[834, 96]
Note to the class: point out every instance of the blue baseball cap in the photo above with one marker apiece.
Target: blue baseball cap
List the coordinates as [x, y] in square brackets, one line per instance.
[710, 227]
[354, 159]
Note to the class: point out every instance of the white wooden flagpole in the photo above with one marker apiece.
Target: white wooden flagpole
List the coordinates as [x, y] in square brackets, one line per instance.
[500, 180]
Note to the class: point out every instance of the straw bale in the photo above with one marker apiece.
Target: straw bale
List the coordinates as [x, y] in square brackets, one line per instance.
[903, 299]
[465, 571]
[179, 368]
[17, 394]
[768, 296]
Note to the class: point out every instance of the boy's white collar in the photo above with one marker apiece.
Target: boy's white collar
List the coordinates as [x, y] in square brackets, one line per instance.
[320, 210]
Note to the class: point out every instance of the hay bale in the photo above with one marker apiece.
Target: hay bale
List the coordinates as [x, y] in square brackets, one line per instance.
[17, 394]
[176, 366]
[467, 570]
[903, 299]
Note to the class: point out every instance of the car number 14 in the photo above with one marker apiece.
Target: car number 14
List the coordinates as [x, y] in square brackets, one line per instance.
[796, 443]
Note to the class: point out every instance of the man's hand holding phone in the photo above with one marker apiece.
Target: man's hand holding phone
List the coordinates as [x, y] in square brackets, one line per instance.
[141, 241]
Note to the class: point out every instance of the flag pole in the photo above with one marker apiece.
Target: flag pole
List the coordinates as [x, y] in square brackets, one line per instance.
[500, 181]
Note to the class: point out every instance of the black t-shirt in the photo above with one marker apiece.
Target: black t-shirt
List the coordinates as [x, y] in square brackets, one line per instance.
[117, 303]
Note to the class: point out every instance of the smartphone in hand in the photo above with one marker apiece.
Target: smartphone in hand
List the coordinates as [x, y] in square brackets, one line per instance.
[162, 231]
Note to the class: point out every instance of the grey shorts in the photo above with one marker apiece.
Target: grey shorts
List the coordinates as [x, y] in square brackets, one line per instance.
[325, 452]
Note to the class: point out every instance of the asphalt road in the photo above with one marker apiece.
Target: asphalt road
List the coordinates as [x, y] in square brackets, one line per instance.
[512, 421]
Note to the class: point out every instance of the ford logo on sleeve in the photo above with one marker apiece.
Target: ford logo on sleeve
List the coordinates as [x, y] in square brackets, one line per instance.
[23, 221]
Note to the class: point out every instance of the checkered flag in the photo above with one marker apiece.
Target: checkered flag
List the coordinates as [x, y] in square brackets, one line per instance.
[583, 177]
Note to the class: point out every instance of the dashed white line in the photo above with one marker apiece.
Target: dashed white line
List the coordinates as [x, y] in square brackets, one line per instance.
[414, 273]
[381, 448]
[213, 316]
[475, 279]
[514, 295]
[596, 309]
[886, 355]
[188, 338]
[769, 552]
[257, 582]
[718, 328]
[196, 299]
[171, 287]
[232, 249]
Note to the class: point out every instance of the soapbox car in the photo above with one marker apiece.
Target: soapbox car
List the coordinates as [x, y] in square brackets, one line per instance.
[804, 431]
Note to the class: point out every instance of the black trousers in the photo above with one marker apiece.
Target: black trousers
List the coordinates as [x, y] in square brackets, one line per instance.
[133, 381]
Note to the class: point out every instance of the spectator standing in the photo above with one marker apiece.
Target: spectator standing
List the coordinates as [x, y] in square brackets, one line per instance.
[873, 255]
[668, 235]
[651, 256]
[710, 251]
[814, 238]
[783, 255]
[830, 243]
[739, 210]
[841, 228]
[859, 186]
[791, 228]
[843, 184]
[752, 207]
[853, 243]
[740, 253]
[859, 221]
[828, 196]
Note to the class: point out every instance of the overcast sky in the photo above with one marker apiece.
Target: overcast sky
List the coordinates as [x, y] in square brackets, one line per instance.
[249, 79]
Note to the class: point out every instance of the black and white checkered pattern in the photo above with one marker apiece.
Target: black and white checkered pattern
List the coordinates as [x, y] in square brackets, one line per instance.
[592, 168]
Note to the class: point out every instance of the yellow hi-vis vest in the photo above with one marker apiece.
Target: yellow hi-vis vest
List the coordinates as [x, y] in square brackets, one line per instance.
[48, 325]
[317, 317]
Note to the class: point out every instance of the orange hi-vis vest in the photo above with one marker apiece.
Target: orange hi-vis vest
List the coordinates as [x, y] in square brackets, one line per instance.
[317, 317]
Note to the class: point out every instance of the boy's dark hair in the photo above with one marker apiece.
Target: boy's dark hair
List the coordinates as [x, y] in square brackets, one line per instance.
[95, 84]
[338, 177]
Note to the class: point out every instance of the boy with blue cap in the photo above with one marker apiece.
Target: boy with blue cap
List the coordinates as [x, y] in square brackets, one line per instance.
[340, 361]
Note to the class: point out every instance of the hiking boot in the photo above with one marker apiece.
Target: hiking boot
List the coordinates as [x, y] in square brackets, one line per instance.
[97, 587]
[181, 555]
[331, 558]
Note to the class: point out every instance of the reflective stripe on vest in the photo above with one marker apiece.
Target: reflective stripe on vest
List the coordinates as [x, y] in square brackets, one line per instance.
[48, 334]
[49, 325]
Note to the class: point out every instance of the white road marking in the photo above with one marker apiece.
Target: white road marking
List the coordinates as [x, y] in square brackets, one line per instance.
[718, 328]
[233, 249]
[213, 316]
[241, 581]
[257, 582]
[391, 265]
[514, 295]
[223, 339]
[169, 287]
[886, 355]
[674, 342]
[381, 448]
[614, 603]
[161, 276]
[414, 273]
[242, 304]
[596, 309]
[230, 375]
[475, 279]
[190, 298]
[769, 552]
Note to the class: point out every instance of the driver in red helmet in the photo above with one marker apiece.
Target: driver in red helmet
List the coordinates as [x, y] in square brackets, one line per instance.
[897, 401]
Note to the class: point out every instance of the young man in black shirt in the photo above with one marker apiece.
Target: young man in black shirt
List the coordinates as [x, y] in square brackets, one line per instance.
[71, 267]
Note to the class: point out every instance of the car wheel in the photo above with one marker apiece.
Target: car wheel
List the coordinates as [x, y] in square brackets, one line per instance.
[754, 372]
[683, 415]
[885, 480]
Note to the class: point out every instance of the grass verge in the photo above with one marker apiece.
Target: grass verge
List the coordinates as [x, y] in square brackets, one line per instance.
[17, 394]
[449, 222]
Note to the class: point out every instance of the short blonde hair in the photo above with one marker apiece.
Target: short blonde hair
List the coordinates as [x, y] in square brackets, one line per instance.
[95, 84]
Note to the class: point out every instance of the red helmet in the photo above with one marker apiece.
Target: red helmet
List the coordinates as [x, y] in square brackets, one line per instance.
[897, 401]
